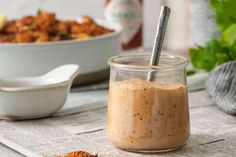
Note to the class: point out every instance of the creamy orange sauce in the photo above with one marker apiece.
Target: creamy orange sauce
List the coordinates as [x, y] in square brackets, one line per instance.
[147, 115]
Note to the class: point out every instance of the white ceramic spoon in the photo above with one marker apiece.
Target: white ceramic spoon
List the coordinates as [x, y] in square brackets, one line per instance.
[36, 97]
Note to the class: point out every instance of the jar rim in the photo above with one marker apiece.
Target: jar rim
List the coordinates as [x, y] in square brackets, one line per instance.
[180, 61]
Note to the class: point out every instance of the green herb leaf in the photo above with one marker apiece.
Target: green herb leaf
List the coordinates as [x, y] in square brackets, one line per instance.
[232, 52]
[224, 12]
[229, 35]
[218, 50]
[209, 56]
[190, 72]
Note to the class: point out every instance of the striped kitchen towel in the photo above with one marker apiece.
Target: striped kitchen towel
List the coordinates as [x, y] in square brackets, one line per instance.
[221, 86]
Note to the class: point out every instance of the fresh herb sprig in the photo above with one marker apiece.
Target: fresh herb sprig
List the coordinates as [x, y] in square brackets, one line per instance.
[219, 49]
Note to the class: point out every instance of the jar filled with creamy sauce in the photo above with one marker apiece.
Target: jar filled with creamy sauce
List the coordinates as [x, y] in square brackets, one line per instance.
[148, 115]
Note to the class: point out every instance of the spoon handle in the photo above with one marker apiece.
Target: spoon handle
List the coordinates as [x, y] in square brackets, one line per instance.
[159, 38]
[160, 34]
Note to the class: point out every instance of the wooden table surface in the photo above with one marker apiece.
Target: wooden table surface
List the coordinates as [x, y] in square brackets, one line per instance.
[213, 133]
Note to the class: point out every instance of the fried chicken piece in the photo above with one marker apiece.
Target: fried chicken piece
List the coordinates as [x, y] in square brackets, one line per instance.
[10, 27]
[31, 36]
[26, 23]
[87, 20]
[93, 30]
[7, 38]
[62, 27]
[82, 36]
[24, 37]
[59, 37]
[45, 21]
[75, 27]
[40, 36]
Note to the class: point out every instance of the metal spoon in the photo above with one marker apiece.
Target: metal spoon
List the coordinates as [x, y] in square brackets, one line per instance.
[159, 38]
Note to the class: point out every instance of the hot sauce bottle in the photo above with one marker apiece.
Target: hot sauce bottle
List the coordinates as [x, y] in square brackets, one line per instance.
[129, 15]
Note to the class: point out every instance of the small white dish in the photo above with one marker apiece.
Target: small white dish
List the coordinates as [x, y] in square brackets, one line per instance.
[36, 97]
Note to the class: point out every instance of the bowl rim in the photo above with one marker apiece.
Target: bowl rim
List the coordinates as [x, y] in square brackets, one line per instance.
[117, 31]
[34, 88]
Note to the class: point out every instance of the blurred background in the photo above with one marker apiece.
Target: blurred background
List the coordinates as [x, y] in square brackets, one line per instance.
[190, 21]
[77, 8]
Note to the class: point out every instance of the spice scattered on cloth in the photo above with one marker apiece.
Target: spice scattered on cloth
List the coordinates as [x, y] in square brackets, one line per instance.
[78, 154]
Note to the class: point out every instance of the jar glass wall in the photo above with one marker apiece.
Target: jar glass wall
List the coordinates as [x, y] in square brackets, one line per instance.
[148, 106]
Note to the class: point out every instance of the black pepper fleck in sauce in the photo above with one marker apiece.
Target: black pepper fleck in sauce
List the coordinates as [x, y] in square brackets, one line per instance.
[162, 114]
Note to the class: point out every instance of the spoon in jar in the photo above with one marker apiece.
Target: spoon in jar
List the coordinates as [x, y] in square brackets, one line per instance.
[159, 38]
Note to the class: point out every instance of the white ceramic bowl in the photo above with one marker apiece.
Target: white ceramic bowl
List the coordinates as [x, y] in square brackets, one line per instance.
[17, 60]
[36, 97]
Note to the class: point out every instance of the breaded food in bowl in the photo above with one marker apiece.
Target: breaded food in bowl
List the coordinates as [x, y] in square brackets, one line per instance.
[35, 58]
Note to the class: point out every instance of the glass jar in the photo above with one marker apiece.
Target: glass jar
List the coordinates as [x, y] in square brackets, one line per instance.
[148, 114]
